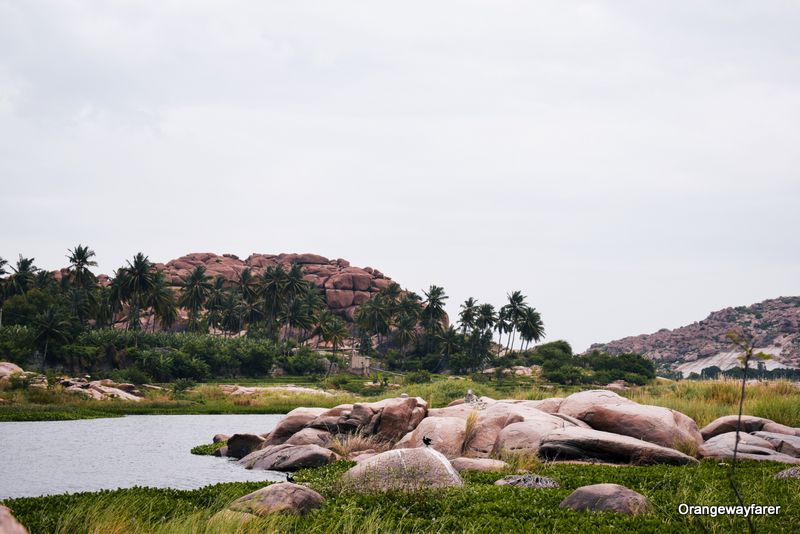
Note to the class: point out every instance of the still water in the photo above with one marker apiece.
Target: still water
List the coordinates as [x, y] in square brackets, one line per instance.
[51, 457]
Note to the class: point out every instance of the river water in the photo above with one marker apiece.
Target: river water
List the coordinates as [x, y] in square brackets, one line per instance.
[51, 457]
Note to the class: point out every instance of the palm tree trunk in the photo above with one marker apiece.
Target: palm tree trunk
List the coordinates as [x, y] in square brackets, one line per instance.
[44, 356]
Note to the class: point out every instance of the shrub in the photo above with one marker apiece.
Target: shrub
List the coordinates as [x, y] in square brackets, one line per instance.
[418, 377]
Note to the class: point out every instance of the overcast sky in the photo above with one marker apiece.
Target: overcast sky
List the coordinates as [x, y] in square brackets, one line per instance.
[627, 165]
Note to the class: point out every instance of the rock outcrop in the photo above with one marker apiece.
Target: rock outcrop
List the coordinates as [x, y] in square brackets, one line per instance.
[345, 287]
[727, 423]
[575, 443]
[607, 498]
[288, 457]
[750, 448]
[605, 410]
[479, 464]
[775, 324]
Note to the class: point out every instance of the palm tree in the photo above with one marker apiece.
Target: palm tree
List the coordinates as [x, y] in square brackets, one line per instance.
[194, 293]
[295, 315]
[334, 331]
[449, 342]
[373, 317]
[515, 312]
[22, 276]
[433, 314]
[161, 300]
[406, 331]
[214, 302]
[531, 327]
[467, 316]
[271, 289]
[50, 326]
[80, 259]
[3, 287]
[486, 317]
[246, 283]
[139, 281]
[502, 324]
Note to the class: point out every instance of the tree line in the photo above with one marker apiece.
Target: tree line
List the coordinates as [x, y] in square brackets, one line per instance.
[401, 329]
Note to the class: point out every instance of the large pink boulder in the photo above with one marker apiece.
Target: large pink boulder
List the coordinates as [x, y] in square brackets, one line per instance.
[446, 434]
[9, 524]
[292, 423]
[750, 423]
[607, 498]
[575, 443]
[288, 457]
[607, 411]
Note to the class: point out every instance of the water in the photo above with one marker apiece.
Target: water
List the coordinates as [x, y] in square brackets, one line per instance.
[51, 457]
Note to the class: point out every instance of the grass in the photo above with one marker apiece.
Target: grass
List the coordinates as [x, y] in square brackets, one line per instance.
[208, 449]
[703, 401]
[479, 506]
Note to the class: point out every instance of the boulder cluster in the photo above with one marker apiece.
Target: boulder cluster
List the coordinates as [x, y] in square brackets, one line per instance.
[479, 433]
[346, 287]
[415, 447]
[95, 390]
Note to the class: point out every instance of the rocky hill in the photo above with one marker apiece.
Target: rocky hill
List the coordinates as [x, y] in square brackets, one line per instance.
[774, 323]
[345, 286]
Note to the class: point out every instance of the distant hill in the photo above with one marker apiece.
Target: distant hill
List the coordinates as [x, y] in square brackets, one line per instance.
[775, 324]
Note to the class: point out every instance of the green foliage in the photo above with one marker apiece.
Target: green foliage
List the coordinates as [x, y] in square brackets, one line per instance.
[418, 377]
[17, 343]
[208, 449]
[479, 506]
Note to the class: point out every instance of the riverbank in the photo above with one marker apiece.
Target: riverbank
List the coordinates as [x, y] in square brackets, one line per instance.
[479, 506]
[703, 401]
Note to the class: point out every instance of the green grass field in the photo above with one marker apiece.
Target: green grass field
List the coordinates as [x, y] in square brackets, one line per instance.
[703, 401]
[479, 507]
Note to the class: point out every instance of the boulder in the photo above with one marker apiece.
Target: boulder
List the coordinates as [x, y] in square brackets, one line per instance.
[792, 472]
[446, 433]
[528, 480]
[7, 369]
[222, 452]
[783, 443]
[575, 443]
[311, 436]
[9, 524]
[607, 411]
[288, 457]
[479, 464]
[399, 417]
[750, 423]
[607, 498]
[291, 423]
[279, 498]
[549, 405]
[526, 436]
[483, 437]
[220, 437]
[750, 448]
[339, 298]
[402, 470]
[240, 445]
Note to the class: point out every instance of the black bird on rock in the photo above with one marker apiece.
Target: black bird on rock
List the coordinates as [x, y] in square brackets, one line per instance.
[427, 441]
[289, 477]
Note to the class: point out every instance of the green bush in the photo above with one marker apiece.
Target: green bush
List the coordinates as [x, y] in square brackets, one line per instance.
[418, 377]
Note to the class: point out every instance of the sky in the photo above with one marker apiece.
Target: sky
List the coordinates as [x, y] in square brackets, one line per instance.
[629, 166]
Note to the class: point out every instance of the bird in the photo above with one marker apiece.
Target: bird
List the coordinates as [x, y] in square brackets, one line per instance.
[427, 441]
[289, 477]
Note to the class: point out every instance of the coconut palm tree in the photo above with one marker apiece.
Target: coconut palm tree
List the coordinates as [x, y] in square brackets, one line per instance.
[195, 289]
[433, 314]
[246, 284]
[486, 317]
[333, 332]
[271, 290]
[138, 281]
[406, 329]
[23, 276]
[515, 312]
[468, 314]
[161, 301]
[503, 325]
[80, 259]
[214, 302]
[50, 326]
[3, 287]
[531, 328]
